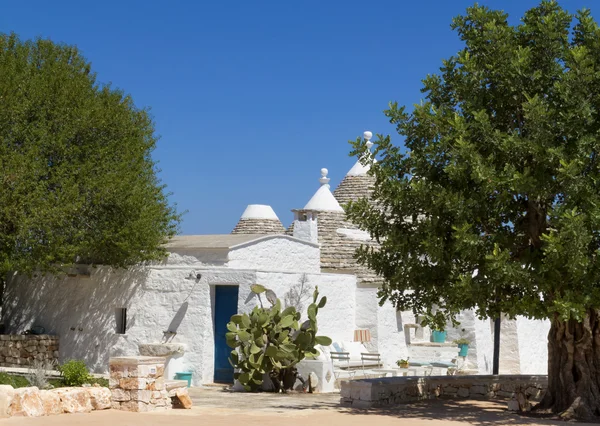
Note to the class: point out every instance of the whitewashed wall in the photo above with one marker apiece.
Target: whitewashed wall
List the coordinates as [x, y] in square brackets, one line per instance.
[391, 340]
[82, 312]
[277, 254]
[533, 345]
[336, 319]
[158, 298]
[484, 339]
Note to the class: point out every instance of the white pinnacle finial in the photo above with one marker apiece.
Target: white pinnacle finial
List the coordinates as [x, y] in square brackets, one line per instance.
[324, 180]
[368, 135]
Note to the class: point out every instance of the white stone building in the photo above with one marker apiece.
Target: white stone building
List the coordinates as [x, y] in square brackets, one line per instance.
[181, 306]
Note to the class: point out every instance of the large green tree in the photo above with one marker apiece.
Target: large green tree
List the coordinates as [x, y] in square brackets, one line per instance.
[494, 204]
[77, 181]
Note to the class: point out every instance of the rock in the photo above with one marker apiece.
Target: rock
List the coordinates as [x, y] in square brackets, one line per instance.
[463, 392]
[161, 349]
[133, 383]
[74, 400]
[7, 393]
[27, 402]
[184, 398]
[313, 379]
[100, 397]
[513, 405]
[51, 402]
[135, 406]
[120, 395]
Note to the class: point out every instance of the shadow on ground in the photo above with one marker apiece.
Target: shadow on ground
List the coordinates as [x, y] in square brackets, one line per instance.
[475, 412]
[481, 413]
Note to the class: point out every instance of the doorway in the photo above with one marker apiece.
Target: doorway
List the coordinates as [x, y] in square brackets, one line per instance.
[226, 303]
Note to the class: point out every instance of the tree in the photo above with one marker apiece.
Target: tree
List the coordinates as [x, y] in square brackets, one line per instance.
[495, 203]
[77, 181]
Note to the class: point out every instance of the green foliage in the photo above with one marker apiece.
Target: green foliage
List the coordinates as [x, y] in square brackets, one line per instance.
[13, 380]
[269, 340]
[74, 373]
[461, 341]
[402, 363]
[494, 204]
[77, 181]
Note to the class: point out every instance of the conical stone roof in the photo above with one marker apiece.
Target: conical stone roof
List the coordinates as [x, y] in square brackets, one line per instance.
[357, 183]
[337, 237]
[259, 219]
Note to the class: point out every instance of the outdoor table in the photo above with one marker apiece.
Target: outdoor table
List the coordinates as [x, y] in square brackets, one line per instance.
[395, 372]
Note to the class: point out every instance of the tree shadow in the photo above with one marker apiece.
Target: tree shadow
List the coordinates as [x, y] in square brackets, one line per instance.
[475, 412]
[81, 310]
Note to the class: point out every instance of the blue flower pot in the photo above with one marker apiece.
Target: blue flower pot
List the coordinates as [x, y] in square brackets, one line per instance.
[438, 336]
[184, 376]
[464, 349]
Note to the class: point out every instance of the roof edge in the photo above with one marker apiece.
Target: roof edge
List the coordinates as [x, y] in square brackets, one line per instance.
[268, 237]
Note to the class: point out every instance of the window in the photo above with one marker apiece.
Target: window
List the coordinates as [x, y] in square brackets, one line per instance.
[121, 318]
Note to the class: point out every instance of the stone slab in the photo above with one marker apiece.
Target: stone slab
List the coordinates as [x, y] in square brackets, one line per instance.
[137, 360]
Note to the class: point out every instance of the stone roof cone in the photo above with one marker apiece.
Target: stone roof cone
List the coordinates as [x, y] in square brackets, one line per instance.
[323, 200]
[357, 183]
[258, 219]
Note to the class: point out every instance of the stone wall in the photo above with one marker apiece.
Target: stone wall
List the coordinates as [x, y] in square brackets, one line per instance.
[398, 390]
[137, 384]
[18, 350]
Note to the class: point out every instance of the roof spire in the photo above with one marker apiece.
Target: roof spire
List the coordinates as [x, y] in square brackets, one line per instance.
[324, 180]
[368, 135]
[360, 169]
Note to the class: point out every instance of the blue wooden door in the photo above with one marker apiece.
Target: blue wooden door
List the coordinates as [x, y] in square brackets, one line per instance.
[226, 302]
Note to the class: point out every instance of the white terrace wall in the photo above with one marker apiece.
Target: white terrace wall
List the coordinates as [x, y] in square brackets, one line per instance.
[335, 320]
[159, 298]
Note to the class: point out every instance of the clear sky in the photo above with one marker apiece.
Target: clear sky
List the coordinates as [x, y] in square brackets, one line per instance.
[252, 98]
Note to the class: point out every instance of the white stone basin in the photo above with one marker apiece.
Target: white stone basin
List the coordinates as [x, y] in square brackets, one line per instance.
[161, 349]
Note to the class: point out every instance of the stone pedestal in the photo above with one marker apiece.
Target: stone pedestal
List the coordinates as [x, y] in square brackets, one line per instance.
[172, 352]
[137, 384]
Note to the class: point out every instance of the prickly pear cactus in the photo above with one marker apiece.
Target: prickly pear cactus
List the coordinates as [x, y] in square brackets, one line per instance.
[269, 342]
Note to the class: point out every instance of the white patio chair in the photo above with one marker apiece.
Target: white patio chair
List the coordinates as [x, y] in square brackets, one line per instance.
[370, 358]
[339, 360]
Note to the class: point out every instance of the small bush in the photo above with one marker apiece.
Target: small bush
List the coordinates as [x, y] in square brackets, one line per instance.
[74, 373]
[37, 373]
[14, 381]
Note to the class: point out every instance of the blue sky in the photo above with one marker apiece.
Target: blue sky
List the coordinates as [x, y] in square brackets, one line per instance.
[252, 99]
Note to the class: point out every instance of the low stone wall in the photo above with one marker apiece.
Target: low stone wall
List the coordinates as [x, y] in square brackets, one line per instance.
[21, 350]
[33, 402]
[388, 391]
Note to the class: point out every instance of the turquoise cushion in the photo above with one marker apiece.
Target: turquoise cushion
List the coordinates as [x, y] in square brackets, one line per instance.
[418, 363]
[442, 364]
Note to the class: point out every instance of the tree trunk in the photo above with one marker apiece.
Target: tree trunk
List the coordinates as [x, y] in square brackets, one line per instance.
[574, 368]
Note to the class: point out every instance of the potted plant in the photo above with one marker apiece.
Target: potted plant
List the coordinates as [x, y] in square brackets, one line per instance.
[463, 344]
[402, 363]
[438, 336]
[436, 322]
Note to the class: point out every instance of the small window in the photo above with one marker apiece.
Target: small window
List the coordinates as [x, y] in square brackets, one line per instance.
[303, 217]
[121, 318]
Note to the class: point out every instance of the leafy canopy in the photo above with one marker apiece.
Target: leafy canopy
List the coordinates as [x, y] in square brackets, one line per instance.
[77, 181]
[495, 203]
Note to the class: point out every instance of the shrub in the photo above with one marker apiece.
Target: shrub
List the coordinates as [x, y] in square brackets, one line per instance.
[269, 342]
[37, 373]
[74, 373]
